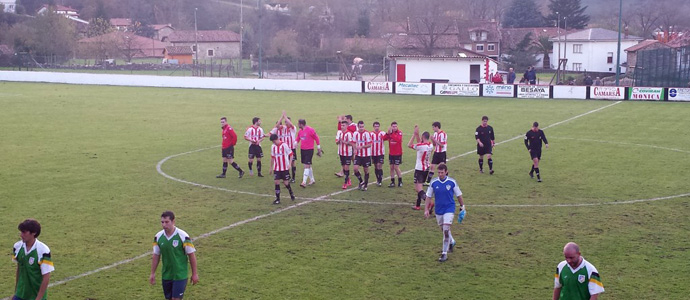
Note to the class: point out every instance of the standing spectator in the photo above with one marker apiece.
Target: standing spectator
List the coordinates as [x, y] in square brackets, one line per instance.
[597, 81]
[511, 76]
[497, 78]
[588, 80]
[531, 75]
[575, 277]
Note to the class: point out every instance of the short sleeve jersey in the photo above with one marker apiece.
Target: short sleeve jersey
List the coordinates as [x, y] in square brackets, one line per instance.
[578, 283]
[254, 134]
[280, 155]
[173, 251]
[362, 139]
[377, 146]
[444, 191]
[441, 139]
[285, 134]
[33, 264]
[423, 152]
[344, 140]
[484, 134]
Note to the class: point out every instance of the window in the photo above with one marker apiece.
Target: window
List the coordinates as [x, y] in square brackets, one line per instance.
[480, 48]
[609, 58]
[210, 52]
[577, 67]
[577, 48]
[491, 47]
[194, 48]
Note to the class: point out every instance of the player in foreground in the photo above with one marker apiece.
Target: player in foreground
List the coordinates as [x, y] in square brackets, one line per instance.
[281, 156]
[394, 138]
[175, 246]
[34, 263]
[440, 141]
[533, 140]
[576, 278]
[286, 133]
[361, 140]
[343, 140]
[421, 169]
[378, 151]
[439, 196]
[255, 135]
[484, 134]
[228, 148]
[306, 138]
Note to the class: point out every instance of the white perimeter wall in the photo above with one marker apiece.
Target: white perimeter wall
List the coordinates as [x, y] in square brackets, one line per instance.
[453, 71]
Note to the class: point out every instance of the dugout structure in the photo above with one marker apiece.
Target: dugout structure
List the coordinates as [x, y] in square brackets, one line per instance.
[663, 67]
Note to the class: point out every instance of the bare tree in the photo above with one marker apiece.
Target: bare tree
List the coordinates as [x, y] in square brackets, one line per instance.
[427, 22]
[129, 46]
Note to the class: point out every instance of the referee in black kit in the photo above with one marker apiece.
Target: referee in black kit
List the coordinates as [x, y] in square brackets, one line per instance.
[484, 134]
[533, 140]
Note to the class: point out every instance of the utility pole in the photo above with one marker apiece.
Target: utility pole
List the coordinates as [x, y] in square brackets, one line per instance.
[196, 39]
[261, 40]
[558, 69]
[618, 54]
[241, 36]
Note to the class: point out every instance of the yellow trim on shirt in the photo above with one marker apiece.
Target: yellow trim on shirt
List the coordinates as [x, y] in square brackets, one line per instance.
[597, 282]
[188, 245]
[47, 262]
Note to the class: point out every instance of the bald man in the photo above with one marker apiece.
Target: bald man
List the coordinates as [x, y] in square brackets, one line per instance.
[576, 278]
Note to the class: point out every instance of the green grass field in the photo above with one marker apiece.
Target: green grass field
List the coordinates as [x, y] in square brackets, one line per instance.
[82, 160]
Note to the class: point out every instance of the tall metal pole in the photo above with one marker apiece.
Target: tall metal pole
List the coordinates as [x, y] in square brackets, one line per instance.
[241, 36]
[618, 54]
[196, 39]
[261, 43]
[558, 68]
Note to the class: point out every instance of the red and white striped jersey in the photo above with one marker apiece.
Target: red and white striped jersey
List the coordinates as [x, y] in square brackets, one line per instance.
[423, 153]
[280, 156]
[441, 139]
[286, 135]
[362, 139]
[254, 134]
[377, 147]
[344, 140]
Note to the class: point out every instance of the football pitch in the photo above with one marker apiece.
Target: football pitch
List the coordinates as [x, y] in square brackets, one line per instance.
[96, 165]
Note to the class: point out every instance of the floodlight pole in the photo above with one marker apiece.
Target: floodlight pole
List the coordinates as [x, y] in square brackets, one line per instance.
[196, 39]
[618, 54]
[241, 34]
[558, 28]
[261, 38]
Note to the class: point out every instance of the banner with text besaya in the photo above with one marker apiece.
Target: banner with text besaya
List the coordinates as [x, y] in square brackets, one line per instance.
[607, 92]
[457, 89]
[498, 90]
[646, 93]
[533, 91]
[378, 87]
[413, 88]
[679, 94]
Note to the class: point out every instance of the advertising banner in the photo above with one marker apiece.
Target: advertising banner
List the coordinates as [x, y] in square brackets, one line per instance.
[378, 87]
[646, 93]
[569, 92]
[679, 94]
[498, 90]
[457, 89]
[607, 92]
[533, 91]
[413, 88]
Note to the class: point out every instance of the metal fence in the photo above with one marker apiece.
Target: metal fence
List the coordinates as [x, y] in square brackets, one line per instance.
[669, 67]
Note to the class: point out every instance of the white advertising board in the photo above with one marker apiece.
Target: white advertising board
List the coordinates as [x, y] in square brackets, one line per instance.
[457, 89]
[378, 87]
[413, 88]
[607, 92]
[533, 91]
[646, 93]
[679, 94]
[569, 92]
[499, 90]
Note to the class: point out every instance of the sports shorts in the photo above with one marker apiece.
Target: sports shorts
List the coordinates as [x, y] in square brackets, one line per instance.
[307, 156]
[281, 175]
[255, 151]
[446, 218]
[420, 176]
[378, 159]
[363, 161]
[345, 160]
[439, 157]
[174, 288]
[535, 154]
[395, 159]
[229, 152]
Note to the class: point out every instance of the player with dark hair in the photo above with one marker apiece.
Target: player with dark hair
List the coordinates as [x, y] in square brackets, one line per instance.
[349, 126]
[394, 137]
[286, 133]
[174, 247]
[228, 148]
[281, 156]
[343, 140]
[307, 137]
[254, 135]
[34, 263]
[361, 141]
[484, 134]
[421, 169]
[533, 140]
[378, 151]
[442, 189]
[439, 140]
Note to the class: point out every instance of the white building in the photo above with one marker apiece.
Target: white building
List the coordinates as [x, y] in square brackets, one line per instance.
[453, 69]
[9, 5]
[592, 50]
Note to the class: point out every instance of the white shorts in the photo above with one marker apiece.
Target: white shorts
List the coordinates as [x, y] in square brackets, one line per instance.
[446, 218]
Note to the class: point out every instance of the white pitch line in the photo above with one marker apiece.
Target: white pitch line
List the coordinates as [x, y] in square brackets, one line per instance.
[160, 171]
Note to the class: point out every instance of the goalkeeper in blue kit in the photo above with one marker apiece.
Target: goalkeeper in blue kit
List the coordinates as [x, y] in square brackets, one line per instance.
[440, 196]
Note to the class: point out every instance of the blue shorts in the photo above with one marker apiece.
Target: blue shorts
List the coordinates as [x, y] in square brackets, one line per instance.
[174, 288]
[16, 298]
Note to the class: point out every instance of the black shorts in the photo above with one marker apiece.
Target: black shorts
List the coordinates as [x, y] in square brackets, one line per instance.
[281, 175]
[174, 288]
[345, 160]
[395, 159]
[487, 149]
[229, 152]
[364, 161]
[420, 176]
[306, 156]
[439, 157]
[378, 159]
[294, 154]
[255, 151]
[535, 154]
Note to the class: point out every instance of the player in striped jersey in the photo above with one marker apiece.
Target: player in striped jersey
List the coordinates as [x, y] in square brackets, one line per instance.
[286, 133]
[343, 141]
[439, 140]
[421, 169]
[378, 151]
[349, 126]
[281, 156]
[254, 135]
[361, 140]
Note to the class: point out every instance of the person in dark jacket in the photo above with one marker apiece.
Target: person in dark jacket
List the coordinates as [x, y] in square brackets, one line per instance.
[511, 76]
[531, 75]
